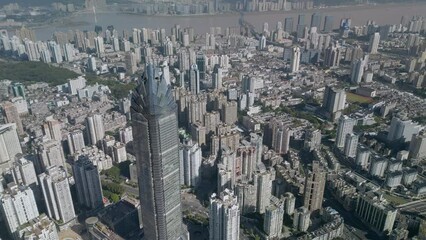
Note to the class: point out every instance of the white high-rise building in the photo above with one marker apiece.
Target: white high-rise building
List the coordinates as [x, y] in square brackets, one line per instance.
[357, 71]
[312, 139]
[273, 219]
[126, 135]
[17, 206]
[281, 139]
[136, 36]
[52, 129]
[295, 59]
[32, 51]
[24, 172]
[76, 84]
[119, 152]
[9, 145]
[345, 126]
[290, 203]
[351, 143]
[56, 52]
[49, 153]
[402, 130]
[418, 147]
[263, 180]
[95, 128]
[224, 213]
[57, 194]
[374, 43]
[91, 64]
[362, 157]
[87, 183]
[75, 141]
[99, 46]
[190, 161]
[131, 62]
[69, 52]
[301, 219]
[115, 44]
[45, 56]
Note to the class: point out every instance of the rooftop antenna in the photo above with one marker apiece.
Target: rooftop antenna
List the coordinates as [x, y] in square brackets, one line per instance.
[94, 14]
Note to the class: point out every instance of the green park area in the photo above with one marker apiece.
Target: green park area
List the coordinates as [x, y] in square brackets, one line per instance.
[33, 72]
[396, 200]
[352, 98]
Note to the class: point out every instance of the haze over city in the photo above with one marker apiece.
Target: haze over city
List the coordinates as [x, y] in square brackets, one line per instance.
[212, 119]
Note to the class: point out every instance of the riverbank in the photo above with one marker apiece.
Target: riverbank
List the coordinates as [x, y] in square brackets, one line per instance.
[381, 14]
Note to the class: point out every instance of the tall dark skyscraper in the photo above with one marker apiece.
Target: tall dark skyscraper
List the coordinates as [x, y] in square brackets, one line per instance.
[328, 24]
[288, 25]
[316, 20]
[155, 137]
[301, 19]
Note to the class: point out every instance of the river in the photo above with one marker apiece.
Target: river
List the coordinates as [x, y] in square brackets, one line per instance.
[381, 14]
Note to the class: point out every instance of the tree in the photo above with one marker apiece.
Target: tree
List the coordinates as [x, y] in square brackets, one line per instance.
[113, 173]
[115, 198]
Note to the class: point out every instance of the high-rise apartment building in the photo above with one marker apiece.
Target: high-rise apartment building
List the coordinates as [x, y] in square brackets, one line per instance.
[17, 206]
[9, 145]
[57, 195]
[190, 158]
[87, 183]
[49, 153]
[295, 59]
[418, 146]
[281, 139]
[301, 219]
[11, 115]
[402, 130]
[334, 101]
[155, 138]
[345, 126]
[332, 56]
[24, 173]
[312, 139]
[52, 129]
[374, 43]
[224, 216]
[314, 187]
[99, 46]
[194, 79]
[351, 143]
[263, 181]
[75, 141]
[273, 219]
[357, 71]
[95, 128]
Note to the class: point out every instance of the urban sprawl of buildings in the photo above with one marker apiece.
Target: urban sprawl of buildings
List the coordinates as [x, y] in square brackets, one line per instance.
[310, 129]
